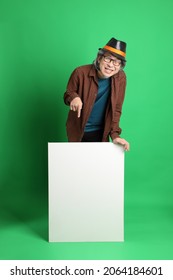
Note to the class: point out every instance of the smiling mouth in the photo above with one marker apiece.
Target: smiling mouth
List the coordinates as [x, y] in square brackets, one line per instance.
[108, 70]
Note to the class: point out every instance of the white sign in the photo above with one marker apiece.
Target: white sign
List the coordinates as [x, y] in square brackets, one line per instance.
[86, 192]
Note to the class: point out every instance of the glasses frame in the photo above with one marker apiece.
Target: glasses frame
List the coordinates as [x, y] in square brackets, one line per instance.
[108, 60]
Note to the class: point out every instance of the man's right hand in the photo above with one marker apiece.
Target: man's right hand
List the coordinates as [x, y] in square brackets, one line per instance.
[76, 105]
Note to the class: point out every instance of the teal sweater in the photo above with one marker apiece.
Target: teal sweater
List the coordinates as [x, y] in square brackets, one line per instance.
[96, 118]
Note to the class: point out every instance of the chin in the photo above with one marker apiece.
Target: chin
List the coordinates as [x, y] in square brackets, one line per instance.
[104, 75]
[108, 75]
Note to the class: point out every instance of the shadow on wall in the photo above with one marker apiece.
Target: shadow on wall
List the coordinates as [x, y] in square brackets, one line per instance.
[35, 118]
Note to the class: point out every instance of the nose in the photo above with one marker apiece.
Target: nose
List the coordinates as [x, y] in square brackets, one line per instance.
[111, 63]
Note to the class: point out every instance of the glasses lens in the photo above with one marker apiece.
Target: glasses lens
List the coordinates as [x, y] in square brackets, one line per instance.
[107, 59]
[115, 62]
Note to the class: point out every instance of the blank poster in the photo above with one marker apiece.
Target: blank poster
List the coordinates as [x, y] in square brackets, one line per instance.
[86, 192]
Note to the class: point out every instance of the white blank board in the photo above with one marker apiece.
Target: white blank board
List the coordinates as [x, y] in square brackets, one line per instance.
[86, 192]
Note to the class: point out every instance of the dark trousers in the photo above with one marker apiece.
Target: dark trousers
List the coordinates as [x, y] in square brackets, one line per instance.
[93, 136]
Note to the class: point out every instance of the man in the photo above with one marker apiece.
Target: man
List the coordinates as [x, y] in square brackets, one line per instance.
[95, 94]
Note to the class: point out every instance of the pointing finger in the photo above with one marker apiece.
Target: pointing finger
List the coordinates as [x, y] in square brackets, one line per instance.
[79, 112]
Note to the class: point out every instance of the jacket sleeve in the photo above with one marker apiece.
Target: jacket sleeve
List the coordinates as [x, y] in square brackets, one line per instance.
[72, 88]
[117, 110]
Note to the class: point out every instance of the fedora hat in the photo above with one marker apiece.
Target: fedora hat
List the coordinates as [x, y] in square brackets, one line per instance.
[116, 47]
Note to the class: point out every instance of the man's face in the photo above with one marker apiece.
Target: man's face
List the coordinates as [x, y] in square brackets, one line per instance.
[109, 65]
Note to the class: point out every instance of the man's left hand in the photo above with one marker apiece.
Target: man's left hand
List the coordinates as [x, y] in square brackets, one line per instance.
[122, 142]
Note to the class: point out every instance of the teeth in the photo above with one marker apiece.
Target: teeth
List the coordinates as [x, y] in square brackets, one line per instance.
[108, 70]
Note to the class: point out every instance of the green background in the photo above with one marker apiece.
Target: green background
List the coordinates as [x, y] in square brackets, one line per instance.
[41, 42]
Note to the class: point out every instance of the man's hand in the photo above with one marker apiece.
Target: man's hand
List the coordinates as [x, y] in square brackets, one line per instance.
[76, 105]
[122, 142]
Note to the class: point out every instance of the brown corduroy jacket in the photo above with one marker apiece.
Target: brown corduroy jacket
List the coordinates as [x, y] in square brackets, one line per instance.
[83, 83]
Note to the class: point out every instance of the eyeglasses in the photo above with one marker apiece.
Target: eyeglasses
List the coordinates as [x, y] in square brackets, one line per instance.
[114, 61]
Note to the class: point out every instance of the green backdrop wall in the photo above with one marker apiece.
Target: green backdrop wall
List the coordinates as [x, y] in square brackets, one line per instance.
[41, 42]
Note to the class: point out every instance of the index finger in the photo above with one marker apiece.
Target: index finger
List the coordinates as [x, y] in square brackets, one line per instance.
[79, 112]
